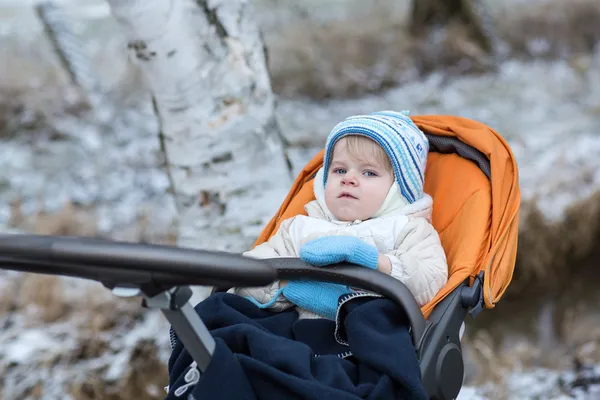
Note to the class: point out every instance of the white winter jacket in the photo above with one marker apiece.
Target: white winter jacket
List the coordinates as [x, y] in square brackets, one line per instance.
[401, 231]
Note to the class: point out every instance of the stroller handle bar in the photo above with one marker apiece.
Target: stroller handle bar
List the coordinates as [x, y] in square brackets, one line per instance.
[155, 268]
[124, 264]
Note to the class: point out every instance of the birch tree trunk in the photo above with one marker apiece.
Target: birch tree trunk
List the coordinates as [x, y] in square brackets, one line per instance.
[205, 64]
[67, 43]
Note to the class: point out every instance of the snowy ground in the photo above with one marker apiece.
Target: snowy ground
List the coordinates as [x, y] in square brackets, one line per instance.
[54, 339]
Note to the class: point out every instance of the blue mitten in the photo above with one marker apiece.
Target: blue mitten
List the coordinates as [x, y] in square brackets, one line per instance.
[318, 297]
[335, 249]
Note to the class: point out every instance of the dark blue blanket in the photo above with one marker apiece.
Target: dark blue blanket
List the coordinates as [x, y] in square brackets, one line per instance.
[266, 355]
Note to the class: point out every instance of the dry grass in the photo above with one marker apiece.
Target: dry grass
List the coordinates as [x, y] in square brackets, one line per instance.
[17, 117]
[490, 364]
[495, 357]
[552, 253]
[90, 310]
[352, 57]
[549, 316]
[42, 292]
[46, 294]
[47, 299]
[104, 312]
[69, 220]
[141, 381]
[498, 349]
[338, 59]
[79, 220]
[145, 373]
[566, 28]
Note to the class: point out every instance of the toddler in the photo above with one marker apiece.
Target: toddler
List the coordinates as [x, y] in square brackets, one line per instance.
[370, 210]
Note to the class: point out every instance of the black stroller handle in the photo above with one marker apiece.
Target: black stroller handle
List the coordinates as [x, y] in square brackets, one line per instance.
[130, 264]
[155, 268]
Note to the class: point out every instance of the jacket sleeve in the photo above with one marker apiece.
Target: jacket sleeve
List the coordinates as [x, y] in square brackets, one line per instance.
[419, 260]
[279, 245]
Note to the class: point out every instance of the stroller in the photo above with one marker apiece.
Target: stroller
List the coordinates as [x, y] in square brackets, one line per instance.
[472, 176]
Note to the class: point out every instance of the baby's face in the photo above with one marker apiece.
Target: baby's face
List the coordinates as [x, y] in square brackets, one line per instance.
[355, 188]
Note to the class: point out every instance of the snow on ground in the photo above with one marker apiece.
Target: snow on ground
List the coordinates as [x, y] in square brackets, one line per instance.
[548, 111]
[97, 336]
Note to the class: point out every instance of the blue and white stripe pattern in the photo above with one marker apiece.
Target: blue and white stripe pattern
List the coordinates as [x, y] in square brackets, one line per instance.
[401, 139]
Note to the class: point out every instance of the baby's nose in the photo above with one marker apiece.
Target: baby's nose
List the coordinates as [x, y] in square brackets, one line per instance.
[349, 179]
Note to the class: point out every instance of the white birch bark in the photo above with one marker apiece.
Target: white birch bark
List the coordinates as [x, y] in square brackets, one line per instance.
[61, 30]
[205, 65]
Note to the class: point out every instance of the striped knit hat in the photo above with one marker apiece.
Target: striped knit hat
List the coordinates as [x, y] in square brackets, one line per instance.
[401, 139]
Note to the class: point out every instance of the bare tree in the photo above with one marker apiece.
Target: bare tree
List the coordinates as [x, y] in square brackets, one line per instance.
[205, 65]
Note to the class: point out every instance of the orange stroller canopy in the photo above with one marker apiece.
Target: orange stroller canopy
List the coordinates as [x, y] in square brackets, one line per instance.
[475, 205]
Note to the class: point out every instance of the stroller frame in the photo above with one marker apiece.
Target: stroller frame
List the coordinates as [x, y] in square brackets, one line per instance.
[160, 274]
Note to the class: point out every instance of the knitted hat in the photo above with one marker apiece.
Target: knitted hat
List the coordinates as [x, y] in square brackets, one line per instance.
[402, 140]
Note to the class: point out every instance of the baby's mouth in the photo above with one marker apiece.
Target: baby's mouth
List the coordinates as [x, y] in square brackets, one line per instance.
[346, 195]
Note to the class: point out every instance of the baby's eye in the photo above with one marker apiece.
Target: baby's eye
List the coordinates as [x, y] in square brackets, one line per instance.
[370, 173]
[339, 171]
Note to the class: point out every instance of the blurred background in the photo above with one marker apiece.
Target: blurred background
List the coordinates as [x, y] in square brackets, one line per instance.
[80, 155]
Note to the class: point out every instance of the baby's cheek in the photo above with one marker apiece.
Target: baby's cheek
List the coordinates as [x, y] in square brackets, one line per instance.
[330, 201]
